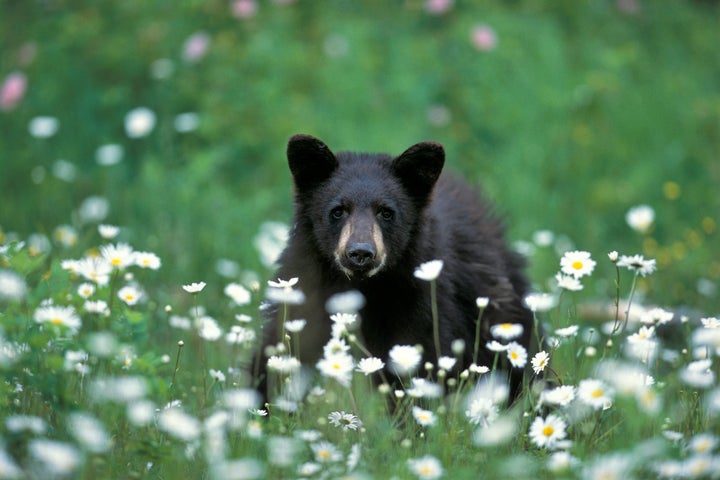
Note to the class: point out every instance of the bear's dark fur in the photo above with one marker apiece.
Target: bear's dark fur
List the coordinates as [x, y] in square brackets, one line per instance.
[365, 222]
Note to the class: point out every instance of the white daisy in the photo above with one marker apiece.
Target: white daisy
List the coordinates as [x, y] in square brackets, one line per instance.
[429, 270]
[517, 355]
[547, 432]
[404, 359]
[577, 263]
[370, 365]
[595, 393]
[426, 467]
[640, 218]
[119, 256]
[194, 287]
[424, 418]
[540, 361]
[346, 421]
[338, 366]
[506, 331]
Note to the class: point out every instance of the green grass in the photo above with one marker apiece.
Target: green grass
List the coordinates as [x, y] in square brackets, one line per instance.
[580, 112]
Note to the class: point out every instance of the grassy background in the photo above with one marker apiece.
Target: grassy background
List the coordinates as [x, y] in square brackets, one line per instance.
[582, 110]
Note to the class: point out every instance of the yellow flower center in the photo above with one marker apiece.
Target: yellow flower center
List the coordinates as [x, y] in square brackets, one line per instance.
[56, 321]
[116, 262]
[597, 393]
[129, 297]
[577, 265]
[505, 326]
[426, 470]
[323, 455]
[548, 430]
[514, 355]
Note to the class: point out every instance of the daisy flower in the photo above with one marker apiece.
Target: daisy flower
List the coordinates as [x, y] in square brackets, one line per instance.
[482, 411]
[57, 459]
[561, 395]
[507, 331]
[547, 432]
[495, 346]
[139, 122]
[540, 361]
[194, 287]
[59, 316]
[345, 302]
[237, 293]
[147, 260]
[595, 393]
[239, 335]
[539, 302]
[283, 283]
[119, 256]
[482, 302]
[283, 364]
[423, 388]
[569, 331]
[577, 263]
[89, 432]
[179, 424]
[208, 328]
[130, 294]
[429, 270]
[108, 232]
[656, 316]
[326, 452]
[517, 355]
[561, 461]
[446, 363]
[96, 306]
[426, 468]
[424, 418]
[404, 358]
[85, 290]
[95, 269]
[640, 218]
[710, 322]
[335, 346]
[338, 366]
[637, 263]
[217, 375]
[568, 282]
[295, 326]
[346, 421]
[370, 365]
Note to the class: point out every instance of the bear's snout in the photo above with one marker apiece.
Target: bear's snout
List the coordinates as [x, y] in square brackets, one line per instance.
[361, 255]
[360, 250]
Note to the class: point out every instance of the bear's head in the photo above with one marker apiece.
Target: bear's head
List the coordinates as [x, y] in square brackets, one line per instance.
[362, 210]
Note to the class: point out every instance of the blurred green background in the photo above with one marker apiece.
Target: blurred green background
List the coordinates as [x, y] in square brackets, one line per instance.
[567, 112]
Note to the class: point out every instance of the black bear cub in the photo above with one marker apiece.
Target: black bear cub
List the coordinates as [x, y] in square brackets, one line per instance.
[365, 222]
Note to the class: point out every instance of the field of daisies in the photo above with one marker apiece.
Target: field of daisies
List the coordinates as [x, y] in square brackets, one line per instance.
[145, 198]
[104, 381]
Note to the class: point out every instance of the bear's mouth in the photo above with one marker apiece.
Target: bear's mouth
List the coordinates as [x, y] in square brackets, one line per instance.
[360, 261]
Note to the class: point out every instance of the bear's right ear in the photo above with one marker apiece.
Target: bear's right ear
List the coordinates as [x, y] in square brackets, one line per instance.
[419, 167]
[311, 161]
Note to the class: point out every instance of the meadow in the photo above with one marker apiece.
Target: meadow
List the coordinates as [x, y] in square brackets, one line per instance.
[144, 198]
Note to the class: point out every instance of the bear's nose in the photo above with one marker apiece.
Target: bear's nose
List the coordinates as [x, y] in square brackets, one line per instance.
[361, 254]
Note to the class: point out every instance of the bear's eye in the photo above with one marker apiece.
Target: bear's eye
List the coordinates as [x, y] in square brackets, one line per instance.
[337, 213]
[385, 213]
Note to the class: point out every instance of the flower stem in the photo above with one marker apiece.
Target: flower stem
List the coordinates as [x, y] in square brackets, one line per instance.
[630, 299]
[177, 363]
[436, 320]
[476, 346]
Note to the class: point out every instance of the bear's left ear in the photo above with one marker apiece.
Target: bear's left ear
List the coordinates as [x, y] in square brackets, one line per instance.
[311, 161]
[419, 167]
